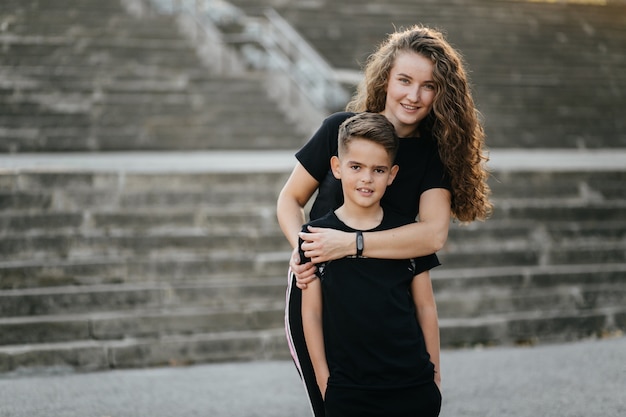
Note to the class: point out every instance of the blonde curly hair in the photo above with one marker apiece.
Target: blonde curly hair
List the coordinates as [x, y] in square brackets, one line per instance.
[454, 121]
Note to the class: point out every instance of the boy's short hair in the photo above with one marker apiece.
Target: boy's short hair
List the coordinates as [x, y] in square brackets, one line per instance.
[370, 126]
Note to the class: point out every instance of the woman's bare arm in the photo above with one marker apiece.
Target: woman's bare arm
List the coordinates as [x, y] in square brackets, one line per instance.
[416, 239]
[294, 195]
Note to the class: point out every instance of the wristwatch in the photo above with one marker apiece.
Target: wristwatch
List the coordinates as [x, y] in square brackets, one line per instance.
[359, 244]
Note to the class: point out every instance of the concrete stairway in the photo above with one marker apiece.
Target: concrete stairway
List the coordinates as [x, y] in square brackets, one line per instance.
[86, 76]
[546, 74]
[527, 61]
[549, 266]
[114, 269]
[130, 259]
[136, 267]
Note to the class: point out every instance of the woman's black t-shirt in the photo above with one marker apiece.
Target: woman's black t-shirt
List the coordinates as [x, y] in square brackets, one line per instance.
[420, 169]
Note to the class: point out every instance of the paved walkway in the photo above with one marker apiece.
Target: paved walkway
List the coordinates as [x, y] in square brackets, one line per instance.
[283, 161]
[585, 378]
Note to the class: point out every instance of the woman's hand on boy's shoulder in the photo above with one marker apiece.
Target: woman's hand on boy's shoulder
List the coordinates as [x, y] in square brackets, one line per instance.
[324, 244]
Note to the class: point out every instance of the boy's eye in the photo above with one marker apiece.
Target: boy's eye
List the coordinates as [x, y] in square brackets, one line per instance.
[380, 171]
[355, 167]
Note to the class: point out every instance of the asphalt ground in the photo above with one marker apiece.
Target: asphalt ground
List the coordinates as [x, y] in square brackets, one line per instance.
[583, 378]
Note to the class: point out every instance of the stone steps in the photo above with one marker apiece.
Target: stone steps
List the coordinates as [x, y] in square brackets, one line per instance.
[143, 321]
[526, 229]
[175, 350]
[95, 115]
[528, 328]
[556, 28]
[481, 292]
[86, 22]
[154, 347]
[232, 137]
[528, 59]
[101, 287]
[140, 99]
[166, 351]
[62, 189]
[34, 5]
[131, 245]
[118, 325]
[52, 273]
[469, 315]
[514, 218]
[63, 300]
[133, 78]
[541, 184]
[147, 222]
[95, 78]
[530, 245]
[513, 304]
[111, 260]
[75, 264]
[64, 51]
[574, 304]
[59, 189]
[461, 292]
[501, 253]
[78, 18]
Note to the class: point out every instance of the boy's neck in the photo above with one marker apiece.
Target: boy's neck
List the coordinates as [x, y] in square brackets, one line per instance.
[360, 218]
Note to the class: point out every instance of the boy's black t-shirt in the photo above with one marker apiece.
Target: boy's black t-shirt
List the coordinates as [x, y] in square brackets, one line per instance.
[371, 333]
[420, 169]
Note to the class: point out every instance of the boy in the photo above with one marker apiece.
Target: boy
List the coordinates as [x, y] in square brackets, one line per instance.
[371, 325]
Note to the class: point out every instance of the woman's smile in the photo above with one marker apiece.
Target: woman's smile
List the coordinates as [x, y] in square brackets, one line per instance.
[410, 92]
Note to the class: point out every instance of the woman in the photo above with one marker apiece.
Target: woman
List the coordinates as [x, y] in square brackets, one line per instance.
[417, 80]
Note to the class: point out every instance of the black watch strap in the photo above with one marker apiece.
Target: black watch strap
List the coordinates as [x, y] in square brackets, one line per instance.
[359, 244]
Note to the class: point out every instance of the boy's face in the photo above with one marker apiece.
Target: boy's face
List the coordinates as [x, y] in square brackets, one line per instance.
[365, 170]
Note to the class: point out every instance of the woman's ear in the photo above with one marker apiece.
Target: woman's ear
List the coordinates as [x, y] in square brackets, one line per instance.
[335, 166]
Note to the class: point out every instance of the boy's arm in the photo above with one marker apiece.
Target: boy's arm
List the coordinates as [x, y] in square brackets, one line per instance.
[313, 332]
[426, 311]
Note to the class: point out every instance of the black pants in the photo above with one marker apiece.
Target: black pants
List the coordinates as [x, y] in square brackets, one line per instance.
[420, 401]
[297, 345]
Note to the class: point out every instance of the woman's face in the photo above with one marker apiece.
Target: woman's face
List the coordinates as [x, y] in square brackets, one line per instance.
[410, 92]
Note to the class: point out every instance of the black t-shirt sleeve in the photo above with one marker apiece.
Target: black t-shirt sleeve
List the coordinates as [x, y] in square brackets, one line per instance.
[421, 169]
[303, 259]
[327, 220]
[425, 263]
[316, 153]
[435, 175]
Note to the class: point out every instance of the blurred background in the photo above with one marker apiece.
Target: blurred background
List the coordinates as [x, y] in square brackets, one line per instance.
[143, 144]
